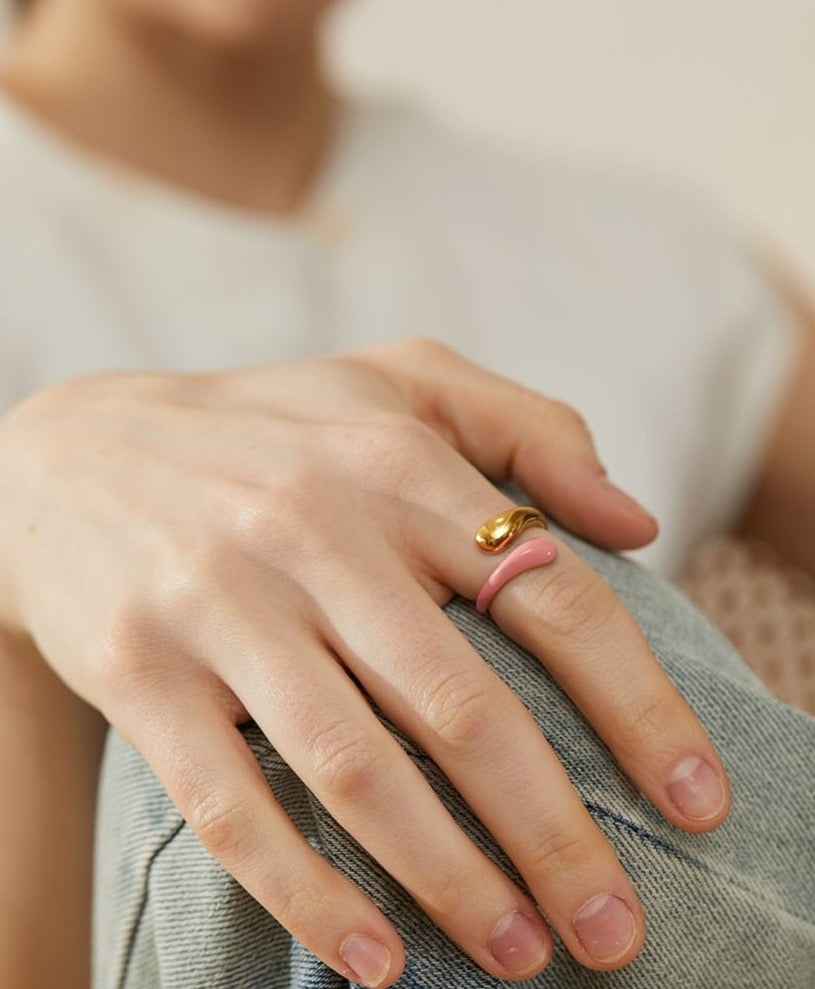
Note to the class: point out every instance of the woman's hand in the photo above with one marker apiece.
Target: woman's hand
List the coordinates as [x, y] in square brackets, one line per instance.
[191, 552]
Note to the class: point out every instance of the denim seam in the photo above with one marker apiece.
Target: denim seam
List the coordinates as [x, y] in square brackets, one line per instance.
[134, 931]
[598, 812]
[622, 824]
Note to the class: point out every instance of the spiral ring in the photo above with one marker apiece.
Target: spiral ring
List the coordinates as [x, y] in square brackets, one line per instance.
[498, 532]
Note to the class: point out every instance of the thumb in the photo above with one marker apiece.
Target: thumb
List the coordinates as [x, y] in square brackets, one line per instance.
[509, 431]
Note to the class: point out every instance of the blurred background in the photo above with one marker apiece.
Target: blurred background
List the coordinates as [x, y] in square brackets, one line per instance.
[720, 92]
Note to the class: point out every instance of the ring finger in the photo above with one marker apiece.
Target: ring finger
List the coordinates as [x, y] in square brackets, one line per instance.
[570, 618]
[321, 725]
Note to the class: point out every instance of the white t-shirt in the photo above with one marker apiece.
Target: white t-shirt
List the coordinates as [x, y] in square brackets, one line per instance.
[607, 290]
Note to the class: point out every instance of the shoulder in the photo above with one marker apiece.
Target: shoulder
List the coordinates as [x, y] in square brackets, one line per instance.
[607, 222]
[642, 244]
[431, 157]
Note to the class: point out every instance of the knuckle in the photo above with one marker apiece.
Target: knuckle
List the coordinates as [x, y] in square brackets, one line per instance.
[285, 526]
[222, 825]
[251, 514]
[445, 895]
[194, 581]
[128, 627]
[650, 720]
[345, 760]
[210, 562]
[575, 601]
[254, 522]
[272, 532]
[563, 850]
[402, 434]
[566, 417]
[127, 649]
[428, 349]
[294, 906]
[460, 709]
[393, 449]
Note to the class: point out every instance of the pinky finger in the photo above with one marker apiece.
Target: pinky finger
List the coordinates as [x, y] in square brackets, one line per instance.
[215, 781]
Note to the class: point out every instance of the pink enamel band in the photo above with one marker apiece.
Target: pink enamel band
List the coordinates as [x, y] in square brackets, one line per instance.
[527, 556]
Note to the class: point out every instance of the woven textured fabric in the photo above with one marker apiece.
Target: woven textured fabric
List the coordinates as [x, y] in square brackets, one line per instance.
[732, 909]
[765, 607]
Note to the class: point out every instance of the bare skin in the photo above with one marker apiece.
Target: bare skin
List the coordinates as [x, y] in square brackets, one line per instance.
[271, 118]
[168, 594]
[130, 81]
[51, 743]
[244, 81]
[781, 510]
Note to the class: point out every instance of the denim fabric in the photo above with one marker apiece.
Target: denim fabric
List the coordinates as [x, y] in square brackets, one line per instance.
[734, 908]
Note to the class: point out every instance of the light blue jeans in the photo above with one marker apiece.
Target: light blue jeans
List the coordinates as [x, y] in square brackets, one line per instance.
[734, 908]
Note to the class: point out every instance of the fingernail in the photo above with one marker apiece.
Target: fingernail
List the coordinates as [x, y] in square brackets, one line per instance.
[368, 959]
[625, 500]
[606, 928]
[519, 944]
[696, 789]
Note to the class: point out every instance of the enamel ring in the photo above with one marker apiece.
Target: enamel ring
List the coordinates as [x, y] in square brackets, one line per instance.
[528, 556]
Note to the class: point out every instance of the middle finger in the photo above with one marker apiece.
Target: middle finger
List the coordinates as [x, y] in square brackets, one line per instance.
[437, 689]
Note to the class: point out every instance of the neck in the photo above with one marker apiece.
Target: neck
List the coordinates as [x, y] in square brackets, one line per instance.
[246, 127]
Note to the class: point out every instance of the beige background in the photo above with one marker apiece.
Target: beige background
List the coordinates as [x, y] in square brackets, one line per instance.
[721, 92]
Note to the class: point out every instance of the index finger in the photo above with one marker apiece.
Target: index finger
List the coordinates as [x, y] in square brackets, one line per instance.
[509, 431]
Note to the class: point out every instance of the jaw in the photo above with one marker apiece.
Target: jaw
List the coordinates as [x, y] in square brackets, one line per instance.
[237, 27]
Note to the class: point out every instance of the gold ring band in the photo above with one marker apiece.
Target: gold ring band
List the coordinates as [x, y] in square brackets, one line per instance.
[498, 532]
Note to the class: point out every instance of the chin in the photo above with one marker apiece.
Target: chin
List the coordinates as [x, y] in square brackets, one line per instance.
[238, 24]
